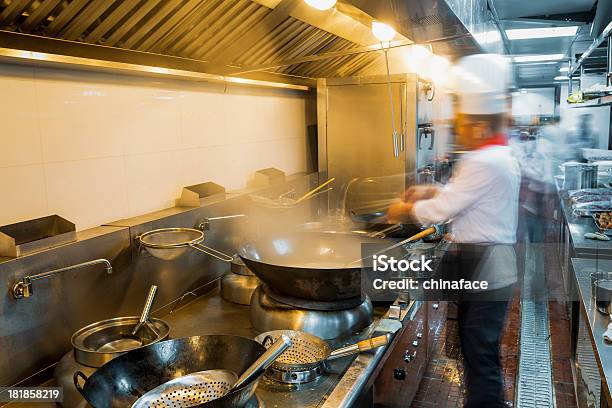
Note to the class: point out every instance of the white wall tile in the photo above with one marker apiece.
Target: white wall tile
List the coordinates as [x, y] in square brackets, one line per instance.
[88, 192]
[153, 181]
[79, 120]
[19, 136]
[151, 119]
[203, 121]
[114, 146]
[22, 194]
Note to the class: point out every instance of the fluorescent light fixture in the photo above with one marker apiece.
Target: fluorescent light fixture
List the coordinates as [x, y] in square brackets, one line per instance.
[543, 32]
[523, 91]
[564, 69]
[561, 78]
[321, 4]
[382, 31]
[538, 58]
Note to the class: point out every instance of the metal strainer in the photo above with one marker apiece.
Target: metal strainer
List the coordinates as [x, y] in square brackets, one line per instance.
[190, 390]
[202, 387]
[170, 243]
[309, 351]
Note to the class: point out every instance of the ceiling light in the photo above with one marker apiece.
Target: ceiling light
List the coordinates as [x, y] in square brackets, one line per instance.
[523, 91]
[543, 32]
[382, 31]
[321, 4]
[561, 78]
[564, 69]
[537, 58]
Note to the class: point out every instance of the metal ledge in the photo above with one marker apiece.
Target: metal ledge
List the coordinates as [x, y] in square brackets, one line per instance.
[31, 49]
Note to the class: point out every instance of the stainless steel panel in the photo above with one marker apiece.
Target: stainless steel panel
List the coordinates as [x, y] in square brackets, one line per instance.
[359, 130]
[37, 330]
[359, 142]
[224, 35]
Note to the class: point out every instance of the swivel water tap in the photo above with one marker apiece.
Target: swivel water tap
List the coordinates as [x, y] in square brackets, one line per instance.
[23, 288]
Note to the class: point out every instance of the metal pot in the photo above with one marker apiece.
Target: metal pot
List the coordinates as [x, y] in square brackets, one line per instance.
[579, 175]
[595, 276]
[100, 342]
[603, 296]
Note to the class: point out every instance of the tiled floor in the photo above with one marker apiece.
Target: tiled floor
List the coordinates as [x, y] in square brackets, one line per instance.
[442, 385]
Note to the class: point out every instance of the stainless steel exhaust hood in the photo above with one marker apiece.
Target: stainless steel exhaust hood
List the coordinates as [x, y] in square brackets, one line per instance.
[261, 42]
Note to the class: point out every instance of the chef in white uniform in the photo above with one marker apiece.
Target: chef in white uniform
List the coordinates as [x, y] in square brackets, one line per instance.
[481, 201]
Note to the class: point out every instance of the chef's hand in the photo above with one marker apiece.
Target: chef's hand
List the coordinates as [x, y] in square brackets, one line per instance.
[416, 193]
[399, 212]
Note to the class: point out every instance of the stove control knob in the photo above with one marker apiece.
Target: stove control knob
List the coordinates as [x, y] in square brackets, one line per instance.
[399, 374]
[436, 306]
[408, 356]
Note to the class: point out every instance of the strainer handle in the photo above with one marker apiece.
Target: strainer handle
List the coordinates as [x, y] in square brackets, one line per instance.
[364, 345]
[212, 252]
[264, 361]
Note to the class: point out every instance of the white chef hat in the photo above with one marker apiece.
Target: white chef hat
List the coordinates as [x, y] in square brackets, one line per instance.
[482, 82]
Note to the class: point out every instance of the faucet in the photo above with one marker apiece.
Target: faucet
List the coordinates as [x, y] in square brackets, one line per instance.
[23, 288]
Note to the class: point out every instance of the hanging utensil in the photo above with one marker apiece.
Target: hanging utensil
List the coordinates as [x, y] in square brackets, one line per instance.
[144, 328]
[171, 243]
[206, 386]
[395, 133]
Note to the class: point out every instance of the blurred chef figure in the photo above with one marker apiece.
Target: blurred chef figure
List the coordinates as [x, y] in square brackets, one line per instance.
[481, 200]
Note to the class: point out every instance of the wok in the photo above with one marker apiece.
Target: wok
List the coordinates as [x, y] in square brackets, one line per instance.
[377, 221]
[309, 265]
[120, 382]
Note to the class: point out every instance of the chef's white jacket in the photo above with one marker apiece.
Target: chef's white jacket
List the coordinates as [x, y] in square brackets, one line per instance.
[481, 198]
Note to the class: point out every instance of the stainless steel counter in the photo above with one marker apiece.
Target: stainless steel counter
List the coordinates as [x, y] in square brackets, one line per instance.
[578, 226]
[596, 322]
[210, 314]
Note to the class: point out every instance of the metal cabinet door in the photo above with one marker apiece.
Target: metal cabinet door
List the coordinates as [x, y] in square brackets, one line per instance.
[359, 131]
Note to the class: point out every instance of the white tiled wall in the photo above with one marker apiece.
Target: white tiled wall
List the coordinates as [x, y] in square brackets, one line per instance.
[95, 148]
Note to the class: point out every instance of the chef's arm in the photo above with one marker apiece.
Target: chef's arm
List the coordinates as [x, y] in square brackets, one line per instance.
[465, 189]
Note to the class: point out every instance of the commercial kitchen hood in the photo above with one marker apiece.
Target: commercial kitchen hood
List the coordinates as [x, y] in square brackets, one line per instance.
[261, 42]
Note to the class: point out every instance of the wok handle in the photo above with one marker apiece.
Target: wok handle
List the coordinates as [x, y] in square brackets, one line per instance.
[75, 378]
[212, 252]
[364, 345]
[264, 361]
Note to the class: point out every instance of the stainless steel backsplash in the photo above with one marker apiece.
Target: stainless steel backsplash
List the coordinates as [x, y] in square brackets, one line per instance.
[35, 332]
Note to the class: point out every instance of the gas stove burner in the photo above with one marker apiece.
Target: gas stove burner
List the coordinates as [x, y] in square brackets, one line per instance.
[312, 304]
[269, 314]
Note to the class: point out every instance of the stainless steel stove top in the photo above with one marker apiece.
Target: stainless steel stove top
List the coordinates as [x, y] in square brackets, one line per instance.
[210, 314]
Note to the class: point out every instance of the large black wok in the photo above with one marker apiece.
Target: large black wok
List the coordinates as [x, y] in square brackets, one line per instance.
[120, 382]
[309, 265]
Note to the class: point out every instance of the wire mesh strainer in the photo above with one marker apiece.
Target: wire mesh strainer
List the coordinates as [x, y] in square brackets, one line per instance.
[308, 351]
[170, 243]
[190, 390]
